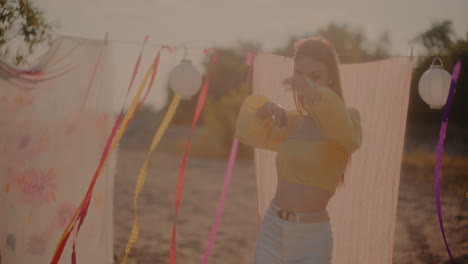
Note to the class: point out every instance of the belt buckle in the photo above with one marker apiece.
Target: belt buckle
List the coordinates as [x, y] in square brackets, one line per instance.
[280, 214]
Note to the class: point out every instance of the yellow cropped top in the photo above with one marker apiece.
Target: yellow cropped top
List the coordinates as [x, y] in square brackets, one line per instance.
[316, 163]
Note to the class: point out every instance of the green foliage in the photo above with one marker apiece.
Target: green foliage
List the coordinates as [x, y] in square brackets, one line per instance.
[219, 119]
[228, 74]
[21, 21]
[438, 39]
[227, 91]
[227, 88]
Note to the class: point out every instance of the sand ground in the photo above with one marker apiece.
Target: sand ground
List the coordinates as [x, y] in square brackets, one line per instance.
[417, 235]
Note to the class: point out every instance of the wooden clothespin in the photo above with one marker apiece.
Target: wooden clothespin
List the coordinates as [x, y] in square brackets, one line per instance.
[106, 38]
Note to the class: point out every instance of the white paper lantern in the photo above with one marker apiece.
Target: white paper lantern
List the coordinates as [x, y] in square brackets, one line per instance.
[185, 79]
[434, 85]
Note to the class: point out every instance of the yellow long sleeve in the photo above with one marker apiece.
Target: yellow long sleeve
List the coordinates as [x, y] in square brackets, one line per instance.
[339, 124]
[258, 133]
[318, 163]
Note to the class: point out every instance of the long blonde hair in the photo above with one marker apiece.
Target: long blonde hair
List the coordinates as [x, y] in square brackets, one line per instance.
[322, 50]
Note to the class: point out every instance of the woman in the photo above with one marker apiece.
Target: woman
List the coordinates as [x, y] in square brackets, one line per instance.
[313, 143]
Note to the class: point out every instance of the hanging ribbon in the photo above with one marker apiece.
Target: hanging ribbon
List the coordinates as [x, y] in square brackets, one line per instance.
[109, 148]
[25, 78]
[155, 71]
[219, 211]
[180, 179]
[249, 61]
[93, 77]
[153, 75]
[142, 175]
[440, 150]
[128, 117]
[137, 66]
[227, 178]
[66, 232]
[249, 58]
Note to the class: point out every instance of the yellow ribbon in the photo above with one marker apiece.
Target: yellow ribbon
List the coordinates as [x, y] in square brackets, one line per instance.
[142, 175]
[118, 136]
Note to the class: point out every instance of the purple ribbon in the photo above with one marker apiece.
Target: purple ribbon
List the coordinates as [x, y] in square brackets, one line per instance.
[440, 150]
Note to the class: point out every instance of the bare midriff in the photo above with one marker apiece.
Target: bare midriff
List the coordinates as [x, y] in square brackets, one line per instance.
[298, 198]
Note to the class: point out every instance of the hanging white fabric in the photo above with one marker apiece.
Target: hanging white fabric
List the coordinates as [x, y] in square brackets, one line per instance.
[54, 122]
[363, 211]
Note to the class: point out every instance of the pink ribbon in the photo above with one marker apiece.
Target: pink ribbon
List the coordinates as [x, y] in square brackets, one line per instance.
[227, 178]
[249, 57]
[219, 211]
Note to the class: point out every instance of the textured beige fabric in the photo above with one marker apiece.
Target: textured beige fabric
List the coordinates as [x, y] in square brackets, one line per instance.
[363, 211]
[53, 128]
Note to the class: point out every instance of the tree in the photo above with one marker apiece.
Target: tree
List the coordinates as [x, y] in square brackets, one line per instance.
[440, 40]
[227, 88]
[226, 92]
[22, 28]
[228, 74]
[351, 44]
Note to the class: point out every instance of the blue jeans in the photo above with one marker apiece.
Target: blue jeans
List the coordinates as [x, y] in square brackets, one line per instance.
[284, 242]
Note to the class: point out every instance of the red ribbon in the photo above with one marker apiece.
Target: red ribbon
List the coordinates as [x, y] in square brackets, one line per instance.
[84, 209]
[180, 179]
[86, 201]
[137, 66]
[63, 242]
[153, 75]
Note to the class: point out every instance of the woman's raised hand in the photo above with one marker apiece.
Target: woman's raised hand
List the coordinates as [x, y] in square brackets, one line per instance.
[304, 87]
[274, 113]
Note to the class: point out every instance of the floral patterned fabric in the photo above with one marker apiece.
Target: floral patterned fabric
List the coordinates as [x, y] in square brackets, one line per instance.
[54, 122]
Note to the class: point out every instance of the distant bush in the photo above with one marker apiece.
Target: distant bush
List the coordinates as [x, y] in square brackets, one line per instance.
[143, 126]
[219, 123]
[454, 176]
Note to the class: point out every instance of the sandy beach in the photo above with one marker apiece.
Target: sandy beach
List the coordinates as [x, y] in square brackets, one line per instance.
[418, 239]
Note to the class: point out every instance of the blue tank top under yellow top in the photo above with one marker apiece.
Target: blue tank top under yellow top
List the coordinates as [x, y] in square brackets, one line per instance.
[316, 163]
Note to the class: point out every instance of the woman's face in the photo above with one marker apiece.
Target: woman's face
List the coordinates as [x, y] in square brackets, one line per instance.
[314, 70]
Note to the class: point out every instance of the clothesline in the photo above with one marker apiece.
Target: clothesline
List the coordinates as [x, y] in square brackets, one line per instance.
[196, 47]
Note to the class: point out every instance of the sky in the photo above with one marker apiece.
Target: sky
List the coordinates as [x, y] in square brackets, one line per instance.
[202, 24]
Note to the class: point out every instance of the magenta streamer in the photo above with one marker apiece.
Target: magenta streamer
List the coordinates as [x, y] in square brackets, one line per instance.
[227, 179]
[440, 151]
[219, 212]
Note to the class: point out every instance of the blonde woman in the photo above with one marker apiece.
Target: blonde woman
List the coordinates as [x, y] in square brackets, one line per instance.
[314, 143]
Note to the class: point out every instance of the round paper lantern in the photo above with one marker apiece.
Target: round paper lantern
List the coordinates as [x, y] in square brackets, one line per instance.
[434, 85]
[185, 79]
